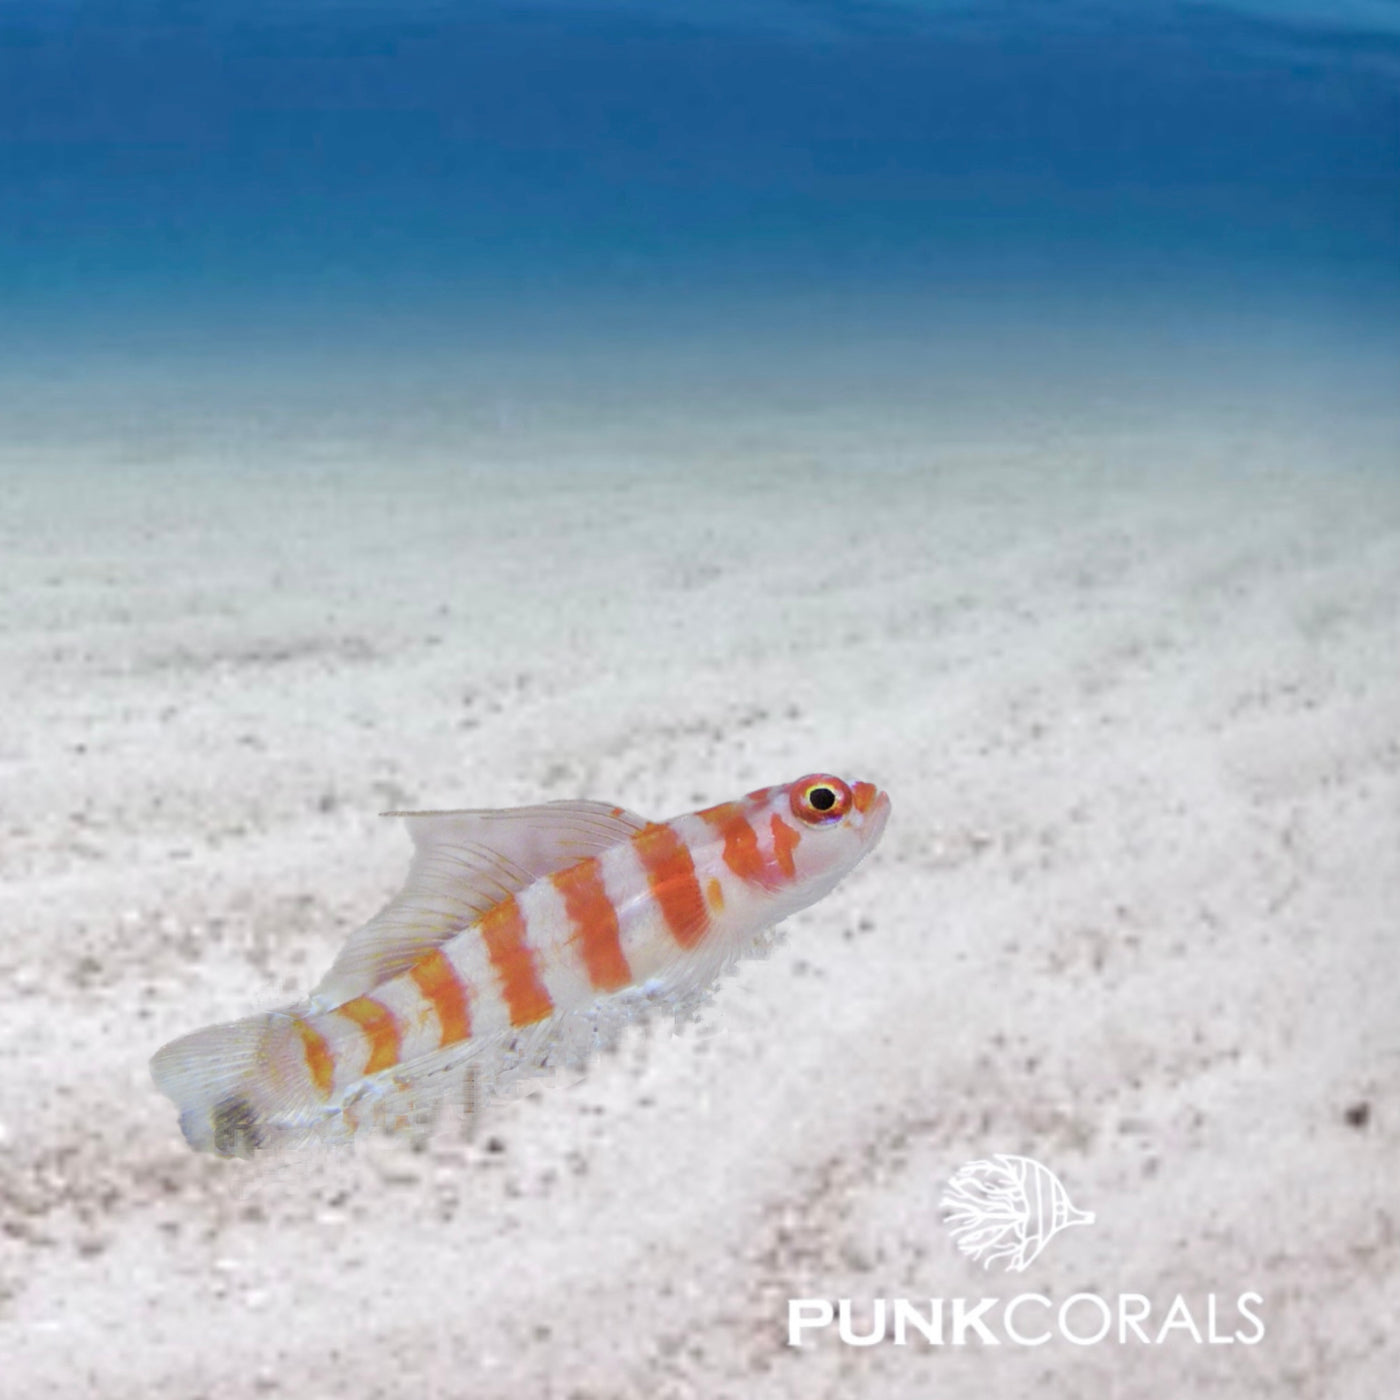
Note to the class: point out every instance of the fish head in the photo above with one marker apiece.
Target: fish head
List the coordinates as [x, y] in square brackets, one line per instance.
[825, 824]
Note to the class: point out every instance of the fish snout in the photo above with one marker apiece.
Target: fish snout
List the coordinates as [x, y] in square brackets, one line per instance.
[874, 808]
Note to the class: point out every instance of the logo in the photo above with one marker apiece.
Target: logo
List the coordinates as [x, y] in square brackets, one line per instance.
[1007, 1210]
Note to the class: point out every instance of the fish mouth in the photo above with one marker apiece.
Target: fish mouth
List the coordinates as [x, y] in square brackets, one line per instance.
[874, 825]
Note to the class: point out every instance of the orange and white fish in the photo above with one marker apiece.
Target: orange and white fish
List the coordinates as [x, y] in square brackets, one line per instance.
[522, 939]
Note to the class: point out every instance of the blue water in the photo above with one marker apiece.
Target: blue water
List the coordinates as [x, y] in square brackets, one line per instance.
[250, 180]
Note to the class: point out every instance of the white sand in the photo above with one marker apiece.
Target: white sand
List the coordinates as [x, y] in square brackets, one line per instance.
[1130, 669]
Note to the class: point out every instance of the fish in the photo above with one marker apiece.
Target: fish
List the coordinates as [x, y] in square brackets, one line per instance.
[523, 940]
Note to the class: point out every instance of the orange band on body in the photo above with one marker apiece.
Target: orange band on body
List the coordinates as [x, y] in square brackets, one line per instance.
[437, 979]
[785, 839]
[741, 853]
[381, 1029]
[670, 872]
[595, 927]
[318, 1055]
[513, 960]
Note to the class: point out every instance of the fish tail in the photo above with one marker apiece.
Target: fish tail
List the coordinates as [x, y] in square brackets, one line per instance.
[237, 1086]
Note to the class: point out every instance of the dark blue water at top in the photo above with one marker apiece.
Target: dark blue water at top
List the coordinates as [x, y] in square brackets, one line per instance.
[201, 168]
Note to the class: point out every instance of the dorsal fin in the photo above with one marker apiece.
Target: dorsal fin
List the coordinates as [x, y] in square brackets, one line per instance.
[463, 863]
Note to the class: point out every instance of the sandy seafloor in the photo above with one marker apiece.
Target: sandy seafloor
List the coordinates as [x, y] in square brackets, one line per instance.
[1123, 645]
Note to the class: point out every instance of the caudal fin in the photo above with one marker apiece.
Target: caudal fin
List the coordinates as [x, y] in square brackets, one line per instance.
[236, 1086]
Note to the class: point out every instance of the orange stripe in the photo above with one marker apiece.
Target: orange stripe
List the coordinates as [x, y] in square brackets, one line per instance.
[381, 1029]
[671, 875]
[785, 839]
[503, 932]
[863, 796]
[594, 919]
[318, 1055]
[741, 853]
[438, 981]
[714, 892]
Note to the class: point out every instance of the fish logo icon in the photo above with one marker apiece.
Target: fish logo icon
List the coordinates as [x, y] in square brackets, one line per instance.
[1007, 1210]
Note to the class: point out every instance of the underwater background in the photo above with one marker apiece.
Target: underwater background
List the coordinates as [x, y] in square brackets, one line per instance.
[499, 198]
[459, 405]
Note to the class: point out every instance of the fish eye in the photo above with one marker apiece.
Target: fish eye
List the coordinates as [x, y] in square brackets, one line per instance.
[820, 799]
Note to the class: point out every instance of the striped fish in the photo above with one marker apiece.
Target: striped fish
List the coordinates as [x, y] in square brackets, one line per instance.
[522, 939]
